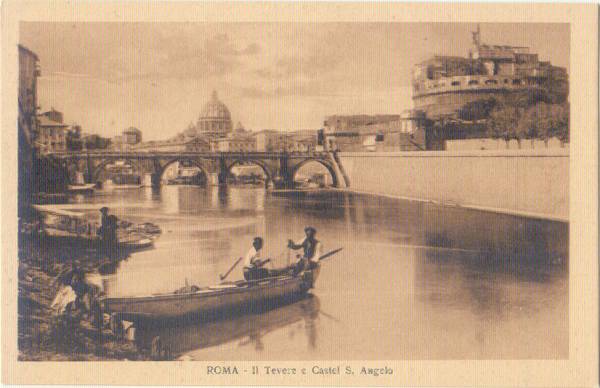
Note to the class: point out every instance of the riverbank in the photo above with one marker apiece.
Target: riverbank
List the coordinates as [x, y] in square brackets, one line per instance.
[44, 336]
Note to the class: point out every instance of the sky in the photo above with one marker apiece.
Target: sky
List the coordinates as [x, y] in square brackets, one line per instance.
[157, 76]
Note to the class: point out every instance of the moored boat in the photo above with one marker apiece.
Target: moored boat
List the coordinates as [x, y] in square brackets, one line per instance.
[203, 302]
[85, 188]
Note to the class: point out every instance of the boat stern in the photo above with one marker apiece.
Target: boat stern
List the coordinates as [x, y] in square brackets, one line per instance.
[310, 277]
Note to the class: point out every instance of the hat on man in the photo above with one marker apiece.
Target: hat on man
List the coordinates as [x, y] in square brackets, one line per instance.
[103, 209]
[310, 229]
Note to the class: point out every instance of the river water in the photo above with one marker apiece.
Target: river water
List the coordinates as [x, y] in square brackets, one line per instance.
[414, 281]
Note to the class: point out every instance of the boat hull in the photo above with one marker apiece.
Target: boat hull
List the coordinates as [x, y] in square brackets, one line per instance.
[239, 296]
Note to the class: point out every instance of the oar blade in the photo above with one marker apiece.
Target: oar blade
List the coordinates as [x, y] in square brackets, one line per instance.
[329, 254]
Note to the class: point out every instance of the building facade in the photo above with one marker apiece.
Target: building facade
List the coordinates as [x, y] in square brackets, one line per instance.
[270, 140]
[28, 72]
[234, 144]
[132, 136]
[404, 132]
[52, 132]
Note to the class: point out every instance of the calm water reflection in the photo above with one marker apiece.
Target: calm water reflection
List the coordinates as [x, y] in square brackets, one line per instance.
[415, 281]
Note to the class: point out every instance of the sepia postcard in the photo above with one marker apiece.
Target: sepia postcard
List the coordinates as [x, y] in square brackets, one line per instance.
[299, 194]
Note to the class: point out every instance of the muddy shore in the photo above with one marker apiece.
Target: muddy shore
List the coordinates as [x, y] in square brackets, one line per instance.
[42, 336]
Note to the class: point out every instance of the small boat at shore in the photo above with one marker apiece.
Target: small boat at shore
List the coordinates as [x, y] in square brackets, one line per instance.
[203, 302]
[74, 227]
[85, 188]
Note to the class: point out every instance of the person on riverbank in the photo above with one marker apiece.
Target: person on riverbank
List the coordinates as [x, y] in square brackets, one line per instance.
[311, 250]
[253, 264]
[108, 233]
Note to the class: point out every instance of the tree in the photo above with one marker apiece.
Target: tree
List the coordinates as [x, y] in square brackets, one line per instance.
[477, 110]
[96, 142]
[560, 122]
[544, 121]
[74, 142]
[535, 123]
[503, 123]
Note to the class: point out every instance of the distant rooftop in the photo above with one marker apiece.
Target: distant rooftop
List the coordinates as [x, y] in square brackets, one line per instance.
[46, 122]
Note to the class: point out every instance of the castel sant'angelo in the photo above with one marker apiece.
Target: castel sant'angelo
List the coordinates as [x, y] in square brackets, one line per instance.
[442, 85]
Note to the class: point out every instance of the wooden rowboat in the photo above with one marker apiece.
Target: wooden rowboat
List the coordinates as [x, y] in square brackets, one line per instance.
[206, 301]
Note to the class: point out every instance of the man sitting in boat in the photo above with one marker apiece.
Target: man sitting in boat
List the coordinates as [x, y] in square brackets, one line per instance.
[312, 250]
[253, 265]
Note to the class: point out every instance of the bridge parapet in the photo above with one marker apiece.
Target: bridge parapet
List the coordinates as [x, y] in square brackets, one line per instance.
[185, 154]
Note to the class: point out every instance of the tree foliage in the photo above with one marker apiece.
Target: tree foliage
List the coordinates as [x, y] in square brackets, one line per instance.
[504, 121]
[74, 142]
[477, 110]
[540, 121]
[96, 142]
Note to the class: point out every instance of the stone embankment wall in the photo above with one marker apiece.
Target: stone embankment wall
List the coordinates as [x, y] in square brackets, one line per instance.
[531, 182]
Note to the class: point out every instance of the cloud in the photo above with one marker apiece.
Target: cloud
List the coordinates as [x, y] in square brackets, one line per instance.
[313, 66]
[251, 49]
[216, 56]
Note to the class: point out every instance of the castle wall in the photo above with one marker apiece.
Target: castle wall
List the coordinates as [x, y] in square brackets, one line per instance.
[448, 103]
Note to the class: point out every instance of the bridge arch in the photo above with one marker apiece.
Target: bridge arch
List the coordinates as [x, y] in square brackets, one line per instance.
[322, 162]
[102, 166]
[195, 162]
[263, 166]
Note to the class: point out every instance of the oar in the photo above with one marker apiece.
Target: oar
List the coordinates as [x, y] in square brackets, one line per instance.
[230, 269]
[328, 254]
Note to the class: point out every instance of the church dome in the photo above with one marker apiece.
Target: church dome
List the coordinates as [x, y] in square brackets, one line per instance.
[215, 117]
[215, 109]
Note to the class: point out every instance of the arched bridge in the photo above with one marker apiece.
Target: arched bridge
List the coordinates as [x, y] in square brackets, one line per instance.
[279, 168]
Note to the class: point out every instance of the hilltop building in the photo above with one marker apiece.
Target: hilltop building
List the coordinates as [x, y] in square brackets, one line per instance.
[443, 85]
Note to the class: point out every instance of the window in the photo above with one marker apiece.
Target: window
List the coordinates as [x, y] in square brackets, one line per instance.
[505, 81]
[516, 82]
[455, 83]
[473, 82]
[491, 82]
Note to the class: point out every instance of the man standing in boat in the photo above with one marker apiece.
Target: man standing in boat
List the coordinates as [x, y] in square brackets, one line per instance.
[253, 264]
[312, 250]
